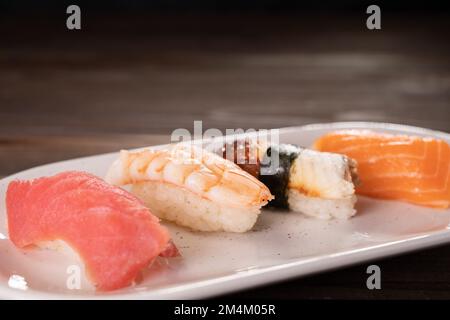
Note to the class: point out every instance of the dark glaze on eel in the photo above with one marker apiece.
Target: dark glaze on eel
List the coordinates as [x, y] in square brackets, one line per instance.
[272, 167]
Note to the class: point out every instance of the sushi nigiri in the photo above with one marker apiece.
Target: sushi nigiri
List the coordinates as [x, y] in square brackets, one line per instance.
[114, 234]
[409, 168]
[317, 184]
[192, 187]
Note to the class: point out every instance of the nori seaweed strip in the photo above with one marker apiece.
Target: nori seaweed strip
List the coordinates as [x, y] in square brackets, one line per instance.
[277, 178]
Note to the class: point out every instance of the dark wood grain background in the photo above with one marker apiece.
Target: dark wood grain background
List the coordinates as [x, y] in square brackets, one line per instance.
[129, 80]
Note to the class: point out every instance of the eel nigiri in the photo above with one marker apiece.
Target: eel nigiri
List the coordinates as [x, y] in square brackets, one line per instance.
[192, 187]
[318, 184]
[114, 234]
[410, 168]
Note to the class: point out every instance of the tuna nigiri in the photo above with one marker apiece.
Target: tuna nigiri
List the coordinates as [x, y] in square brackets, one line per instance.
[112, 231]
[192, 187]
[409, 168]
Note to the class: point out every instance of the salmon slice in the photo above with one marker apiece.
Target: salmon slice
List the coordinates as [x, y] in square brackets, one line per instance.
[112, 231]
[402, 167]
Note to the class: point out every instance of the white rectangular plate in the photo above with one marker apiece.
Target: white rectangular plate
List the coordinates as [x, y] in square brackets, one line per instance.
[281, 246]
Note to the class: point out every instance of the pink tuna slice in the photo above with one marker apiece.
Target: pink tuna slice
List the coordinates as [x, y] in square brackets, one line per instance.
[112, 231]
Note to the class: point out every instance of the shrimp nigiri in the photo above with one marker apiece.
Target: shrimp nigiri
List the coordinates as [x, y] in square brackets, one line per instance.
[192, 187]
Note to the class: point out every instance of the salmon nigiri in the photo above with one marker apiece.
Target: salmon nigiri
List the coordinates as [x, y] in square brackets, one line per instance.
[112, 231]
[409, 168]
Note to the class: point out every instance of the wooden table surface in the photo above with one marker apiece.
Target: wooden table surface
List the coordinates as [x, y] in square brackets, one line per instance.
[129, 81]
